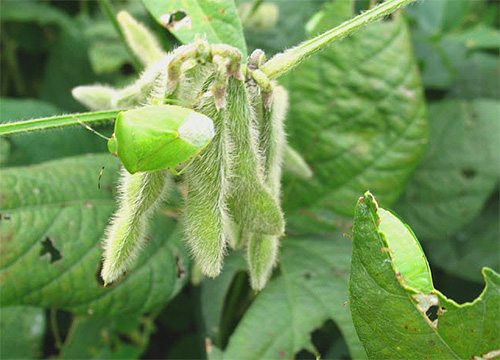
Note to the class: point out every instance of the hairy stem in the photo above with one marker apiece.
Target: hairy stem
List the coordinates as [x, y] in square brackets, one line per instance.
[57, 121]
[284, 62]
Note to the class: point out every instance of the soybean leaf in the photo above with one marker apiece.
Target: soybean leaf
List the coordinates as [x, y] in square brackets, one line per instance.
[310, 289]
[122, 337]
[439, 17]
[214, 292]
[459, 170]
[391, 293]
[32, 11]
[218, 20]
[449, 50]
[473, 246]
[477, 77]
[36, 147]
[22, 329]
[67, 66]
[357, 116]
[54, 216]
[106, 52]
[479, 37]
[289, 30]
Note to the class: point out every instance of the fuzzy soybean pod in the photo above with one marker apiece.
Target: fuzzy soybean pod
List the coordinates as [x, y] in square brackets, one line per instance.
[252, 205]
[206, 218]
[139, 194]
[262, 249]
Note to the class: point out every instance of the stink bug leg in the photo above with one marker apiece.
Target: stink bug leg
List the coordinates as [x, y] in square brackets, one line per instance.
[174, 171]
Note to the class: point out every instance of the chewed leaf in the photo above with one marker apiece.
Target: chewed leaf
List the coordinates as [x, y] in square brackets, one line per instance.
[406, 253]
[54, 216]
[218, 20]
[392, 297]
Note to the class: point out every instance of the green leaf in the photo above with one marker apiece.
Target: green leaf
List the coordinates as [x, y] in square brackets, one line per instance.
[438, 17]
[389, 312]
[27, 148]
[288, 31]
[357, 116]
[51, 252]
[459, 170]
[448, 48]
[479, 37]
[107, 54]
[477, 77]
[472, 247]
[213, 295]
[310, 289]
[218, 20]
[67, 66]
[33, 11]
[22, 329]
[124, 337]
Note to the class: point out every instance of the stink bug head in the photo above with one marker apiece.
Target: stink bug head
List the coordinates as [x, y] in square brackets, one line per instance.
[158, 137]
[112, 148]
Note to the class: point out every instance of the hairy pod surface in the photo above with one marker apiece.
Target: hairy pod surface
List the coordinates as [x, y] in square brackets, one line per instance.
[95, 97]
[139, 194]
[151, 84]
[252, 206]
[262, 256]
[140, 39]
[262, 250]
[207, 222]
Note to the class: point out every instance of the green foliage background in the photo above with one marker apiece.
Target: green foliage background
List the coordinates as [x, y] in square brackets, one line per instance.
[409, 108]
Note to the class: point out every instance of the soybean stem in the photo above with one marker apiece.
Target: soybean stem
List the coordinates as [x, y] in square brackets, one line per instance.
[284, 62]
[57, 121]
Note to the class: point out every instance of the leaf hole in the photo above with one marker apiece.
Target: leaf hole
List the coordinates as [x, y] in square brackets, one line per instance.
[307, 275]
[328, 342]
[176, 20]
[180, 270]
[469, 173]
[48, 248]
[432, 312]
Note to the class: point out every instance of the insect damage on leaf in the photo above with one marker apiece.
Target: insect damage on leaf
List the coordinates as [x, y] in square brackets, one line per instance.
[176, 20]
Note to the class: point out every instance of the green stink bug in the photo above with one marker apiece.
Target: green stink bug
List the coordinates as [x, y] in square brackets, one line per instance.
[158, 137]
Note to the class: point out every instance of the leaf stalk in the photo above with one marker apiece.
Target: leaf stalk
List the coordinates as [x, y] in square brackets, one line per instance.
[286, 61]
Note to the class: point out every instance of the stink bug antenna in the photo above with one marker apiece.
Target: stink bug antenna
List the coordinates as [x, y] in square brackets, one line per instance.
[90, 129]
[99, 180]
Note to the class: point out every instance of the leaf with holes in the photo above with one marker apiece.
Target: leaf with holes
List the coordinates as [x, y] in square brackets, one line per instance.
[392, 297]
[217, 20]
[459, 170]
[53, 218]
[357, 116]
[311, 288]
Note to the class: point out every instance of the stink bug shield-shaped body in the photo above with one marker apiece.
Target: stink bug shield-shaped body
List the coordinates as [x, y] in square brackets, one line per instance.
[159, 137]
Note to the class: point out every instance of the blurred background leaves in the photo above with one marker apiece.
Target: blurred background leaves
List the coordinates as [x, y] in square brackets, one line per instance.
[449, 196]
